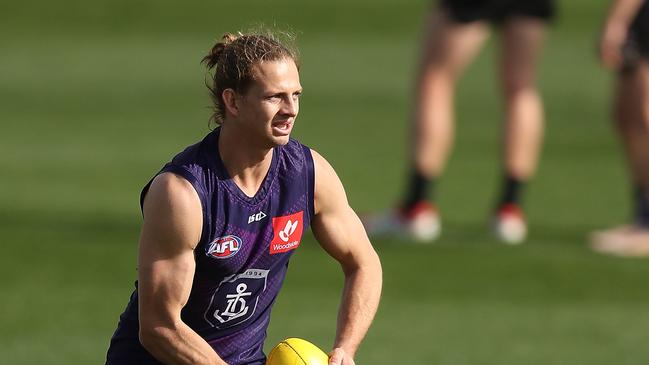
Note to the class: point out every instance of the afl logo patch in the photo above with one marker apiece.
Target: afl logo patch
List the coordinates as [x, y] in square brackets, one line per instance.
[224, 247]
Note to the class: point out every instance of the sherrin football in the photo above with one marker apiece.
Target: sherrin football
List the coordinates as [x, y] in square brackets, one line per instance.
[296, 351]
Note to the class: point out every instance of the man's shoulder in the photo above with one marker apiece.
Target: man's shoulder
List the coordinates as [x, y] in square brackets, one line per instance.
[171, 185]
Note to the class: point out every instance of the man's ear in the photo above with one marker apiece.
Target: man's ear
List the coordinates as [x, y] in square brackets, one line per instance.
[230, 101]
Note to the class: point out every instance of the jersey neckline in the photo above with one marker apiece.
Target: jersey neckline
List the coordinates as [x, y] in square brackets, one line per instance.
[226, 180]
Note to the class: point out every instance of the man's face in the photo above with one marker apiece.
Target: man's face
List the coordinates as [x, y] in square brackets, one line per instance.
[269, 108]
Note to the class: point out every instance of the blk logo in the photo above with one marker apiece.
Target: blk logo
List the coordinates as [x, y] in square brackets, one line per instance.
[224, 247]
[287, 232]
[256, 217]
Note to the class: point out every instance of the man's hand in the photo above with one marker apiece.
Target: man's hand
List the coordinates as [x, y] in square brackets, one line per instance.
[338, 356]
[611, 44]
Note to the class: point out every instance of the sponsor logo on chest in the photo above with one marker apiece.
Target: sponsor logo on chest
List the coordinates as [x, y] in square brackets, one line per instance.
[287, 232]
[224, 247]
[256, 217]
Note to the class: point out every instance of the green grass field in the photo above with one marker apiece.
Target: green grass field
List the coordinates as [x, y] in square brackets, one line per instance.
[96, 96]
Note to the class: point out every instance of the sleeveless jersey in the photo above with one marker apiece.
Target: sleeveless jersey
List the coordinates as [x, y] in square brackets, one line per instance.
[242, 256]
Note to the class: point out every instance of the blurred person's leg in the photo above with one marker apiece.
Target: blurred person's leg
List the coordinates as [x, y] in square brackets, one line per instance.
[632, 119]
[521, 43]
[522, 40]
[449, 45]
[631, 114]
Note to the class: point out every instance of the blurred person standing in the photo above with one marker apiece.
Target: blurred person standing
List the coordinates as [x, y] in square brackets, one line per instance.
[223, 218]
[454, 33]
[624, 49]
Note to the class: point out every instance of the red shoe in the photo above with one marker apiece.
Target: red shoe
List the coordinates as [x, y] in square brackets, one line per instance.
[420, 223]
[510, 225]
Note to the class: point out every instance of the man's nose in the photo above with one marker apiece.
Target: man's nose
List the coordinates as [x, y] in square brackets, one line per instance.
[291, 107]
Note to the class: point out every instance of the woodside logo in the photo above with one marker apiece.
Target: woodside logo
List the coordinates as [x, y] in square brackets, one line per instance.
[287, 233]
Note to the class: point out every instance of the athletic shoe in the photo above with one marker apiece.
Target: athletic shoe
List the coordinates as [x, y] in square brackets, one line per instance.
[420, 223]
[624, 241]
[509, 224]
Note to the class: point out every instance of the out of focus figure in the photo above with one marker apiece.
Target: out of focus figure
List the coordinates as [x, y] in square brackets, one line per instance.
[454, 33]
[624, 48]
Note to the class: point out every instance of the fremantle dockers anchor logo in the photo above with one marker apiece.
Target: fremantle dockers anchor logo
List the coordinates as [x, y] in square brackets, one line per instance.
[236, 298]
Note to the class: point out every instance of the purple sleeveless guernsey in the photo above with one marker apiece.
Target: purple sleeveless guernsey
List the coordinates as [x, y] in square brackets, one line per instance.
[243, 254]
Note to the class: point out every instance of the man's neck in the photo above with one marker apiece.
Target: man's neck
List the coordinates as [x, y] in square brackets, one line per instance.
[246, 163]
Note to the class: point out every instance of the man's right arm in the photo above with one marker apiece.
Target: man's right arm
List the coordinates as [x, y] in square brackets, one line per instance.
[170, 232]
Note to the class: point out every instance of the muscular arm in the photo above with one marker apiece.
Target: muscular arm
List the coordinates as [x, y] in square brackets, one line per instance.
[340, 232]
[170, 232]
[616, 27]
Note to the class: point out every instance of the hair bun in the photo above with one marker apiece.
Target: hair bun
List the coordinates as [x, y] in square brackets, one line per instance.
[212, 58]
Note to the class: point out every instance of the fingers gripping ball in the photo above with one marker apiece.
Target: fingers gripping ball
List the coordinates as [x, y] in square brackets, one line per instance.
[295, 351]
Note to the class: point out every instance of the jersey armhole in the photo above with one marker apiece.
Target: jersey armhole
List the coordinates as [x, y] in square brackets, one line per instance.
[187, 175]
[308, 159]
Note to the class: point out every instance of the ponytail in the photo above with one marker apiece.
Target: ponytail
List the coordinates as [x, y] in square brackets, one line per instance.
[214, 55]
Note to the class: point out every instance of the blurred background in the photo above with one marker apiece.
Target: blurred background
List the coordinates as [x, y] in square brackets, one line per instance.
[96, 95]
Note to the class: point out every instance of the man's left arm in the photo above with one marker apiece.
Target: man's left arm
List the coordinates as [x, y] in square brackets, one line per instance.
[340, 232]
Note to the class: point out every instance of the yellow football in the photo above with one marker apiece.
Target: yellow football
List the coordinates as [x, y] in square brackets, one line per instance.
[296, 351]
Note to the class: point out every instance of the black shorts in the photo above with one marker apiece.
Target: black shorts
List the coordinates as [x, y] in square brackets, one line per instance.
[498, 11]
[637, 45]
